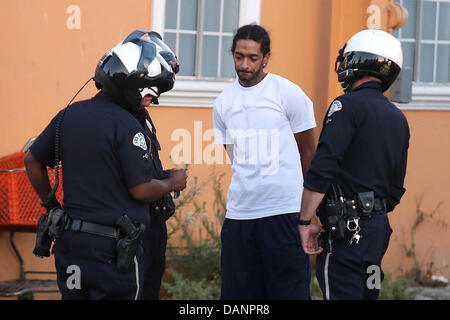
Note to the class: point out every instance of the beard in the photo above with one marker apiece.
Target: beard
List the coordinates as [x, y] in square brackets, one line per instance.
[249, 78]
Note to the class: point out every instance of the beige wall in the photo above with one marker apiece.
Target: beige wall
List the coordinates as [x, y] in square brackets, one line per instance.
[300, 32]
[427, 177]
[44, 64]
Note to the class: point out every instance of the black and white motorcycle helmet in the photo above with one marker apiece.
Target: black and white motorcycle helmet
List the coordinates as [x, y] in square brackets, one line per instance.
[370, 52]
[139, 65]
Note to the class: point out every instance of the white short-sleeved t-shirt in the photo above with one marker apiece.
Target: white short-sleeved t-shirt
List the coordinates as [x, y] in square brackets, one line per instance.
[260, 122]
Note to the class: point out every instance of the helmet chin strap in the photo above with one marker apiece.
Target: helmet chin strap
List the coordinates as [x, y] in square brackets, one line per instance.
[153, 91]
[150, 91]
[339, 58]
[347, 77]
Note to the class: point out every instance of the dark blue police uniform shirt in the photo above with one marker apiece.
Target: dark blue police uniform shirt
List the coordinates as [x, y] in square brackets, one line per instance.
[104, 153]
[150, 132]
[363, 146]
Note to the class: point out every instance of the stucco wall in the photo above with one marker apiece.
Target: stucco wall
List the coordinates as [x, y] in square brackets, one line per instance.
[44, 63]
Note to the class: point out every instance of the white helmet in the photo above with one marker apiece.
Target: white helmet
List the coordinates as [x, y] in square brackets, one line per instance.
[141, 64]
[370, 52]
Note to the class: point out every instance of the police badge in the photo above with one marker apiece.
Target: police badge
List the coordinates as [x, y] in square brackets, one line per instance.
[335, 106]
[139, 141]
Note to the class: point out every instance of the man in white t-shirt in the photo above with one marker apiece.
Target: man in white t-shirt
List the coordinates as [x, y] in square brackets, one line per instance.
[266, 124]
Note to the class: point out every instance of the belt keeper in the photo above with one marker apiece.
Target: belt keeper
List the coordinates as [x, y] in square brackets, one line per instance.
[76, 225]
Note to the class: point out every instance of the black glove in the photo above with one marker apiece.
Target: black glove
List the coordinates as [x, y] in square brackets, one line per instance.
[43, 241]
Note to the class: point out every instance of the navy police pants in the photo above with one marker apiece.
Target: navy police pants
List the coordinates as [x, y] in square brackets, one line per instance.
[263, 259]
[353, 271]
[154, 242]
[86, 268]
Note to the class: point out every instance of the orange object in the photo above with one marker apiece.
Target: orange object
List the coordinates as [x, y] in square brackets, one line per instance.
[19, 204]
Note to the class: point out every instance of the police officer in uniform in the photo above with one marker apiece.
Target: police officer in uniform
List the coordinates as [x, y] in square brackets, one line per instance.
[155, 237]
[108, 174]
[357, 174]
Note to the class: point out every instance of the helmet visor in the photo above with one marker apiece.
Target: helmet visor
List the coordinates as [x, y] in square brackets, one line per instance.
[164, 55]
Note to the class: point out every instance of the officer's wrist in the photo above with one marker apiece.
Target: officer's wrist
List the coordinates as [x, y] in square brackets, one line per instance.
[50, 204]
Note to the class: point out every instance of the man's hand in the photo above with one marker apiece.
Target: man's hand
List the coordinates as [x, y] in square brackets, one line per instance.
[309, 236]
[178, 178]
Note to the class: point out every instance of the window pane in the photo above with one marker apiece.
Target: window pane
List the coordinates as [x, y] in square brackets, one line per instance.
[171, 14]
[409, 29]
[209, 56]
[170, 40]
[186, 54]
[230, 15]
[188, 15]
[227, 68]
[212, 15]
[409, 54]
[443, 63]
[444, 21]
[426, 62]
[429, 20]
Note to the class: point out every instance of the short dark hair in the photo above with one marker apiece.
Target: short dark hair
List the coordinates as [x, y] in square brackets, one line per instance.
[253, 32]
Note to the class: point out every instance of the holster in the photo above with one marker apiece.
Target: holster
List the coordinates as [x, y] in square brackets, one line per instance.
[43, 241]
[57, 220]
[366, 201]
[49, 228]
[128, 242]
[331, 213]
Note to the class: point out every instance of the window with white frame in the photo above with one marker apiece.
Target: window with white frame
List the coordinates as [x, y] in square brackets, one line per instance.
[425, 40]
[200, 32]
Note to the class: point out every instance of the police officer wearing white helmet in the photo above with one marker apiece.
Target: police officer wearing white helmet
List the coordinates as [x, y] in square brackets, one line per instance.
[357, 174]
[109, 175]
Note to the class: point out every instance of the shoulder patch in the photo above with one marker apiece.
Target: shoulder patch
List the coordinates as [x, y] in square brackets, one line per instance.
[335, 106]
[139, 141]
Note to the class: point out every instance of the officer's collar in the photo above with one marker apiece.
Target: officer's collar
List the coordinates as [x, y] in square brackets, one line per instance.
[103, 96]
[370, 84]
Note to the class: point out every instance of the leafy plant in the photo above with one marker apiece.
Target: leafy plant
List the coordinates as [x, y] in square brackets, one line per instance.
[193, 269]
[398, 289]
[185, 289]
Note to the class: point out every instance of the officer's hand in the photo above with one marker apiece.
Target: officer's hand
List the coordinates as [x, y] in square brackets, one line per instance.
[179, 179]
[309, 236]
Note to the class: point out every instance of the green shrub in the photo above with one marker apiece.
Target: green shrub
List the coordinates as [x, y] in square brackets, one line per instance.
[185, 289]
[398, 289]
[193, 269]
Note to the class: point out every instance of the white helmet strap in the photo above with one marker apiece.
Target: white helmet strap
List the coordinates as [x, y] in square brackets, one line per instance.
[152, 91]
